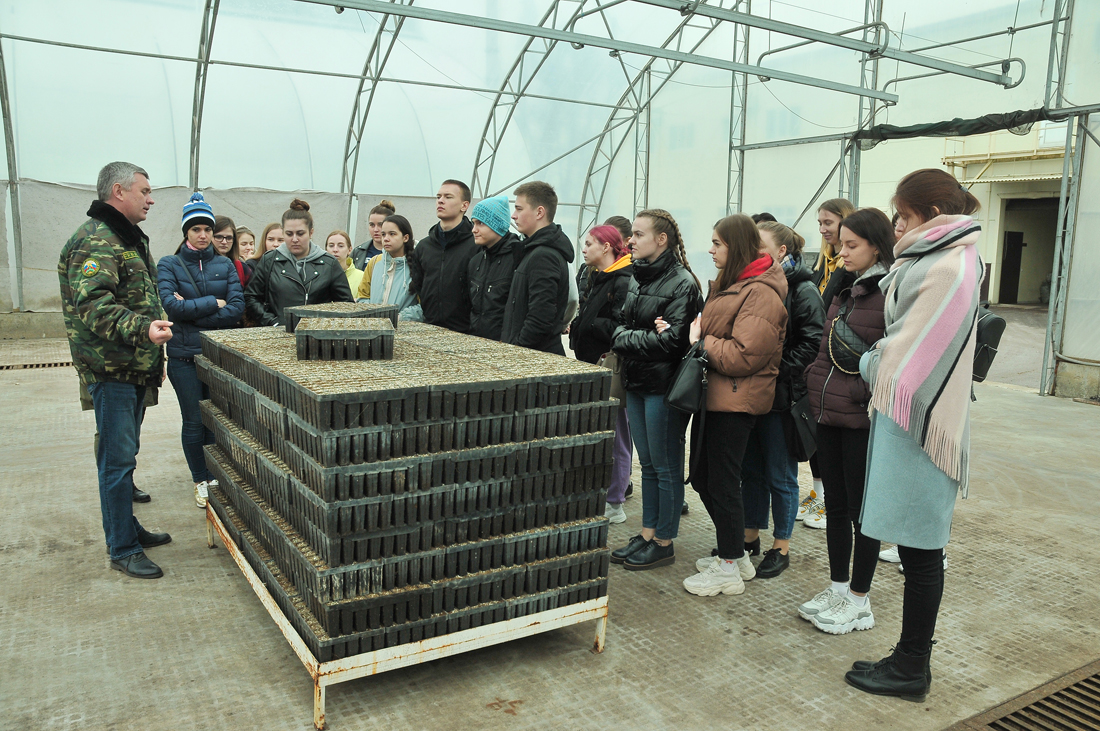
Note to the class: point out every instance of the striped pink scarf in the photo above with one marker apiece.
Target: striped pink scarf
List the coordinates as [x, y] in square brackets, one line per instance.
[922, 377]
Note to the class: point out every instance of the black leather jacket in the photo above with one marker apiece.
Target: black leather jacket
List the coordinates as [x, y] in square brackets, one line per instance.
[598, 316]
[805, 320]
[275, 285]
[489, 278]
[663, 288]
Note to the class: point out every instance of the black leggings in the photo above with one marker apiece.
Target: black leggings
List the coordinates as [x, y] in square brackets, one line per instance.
[717, 476]
[842, 459]
[921, 603]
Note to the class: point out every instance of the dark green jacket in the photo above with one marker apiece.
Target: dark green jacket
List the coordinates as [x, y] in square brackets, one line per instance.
[109, 298]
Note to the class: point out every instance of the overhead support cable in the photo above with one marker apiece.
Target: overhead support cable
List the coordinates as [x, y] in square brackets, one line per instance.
[524, 29]
[202, 68]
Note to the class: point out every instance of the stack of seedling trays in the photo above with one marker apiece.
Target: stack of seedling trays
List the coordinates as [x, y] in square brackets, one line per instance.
[383, 502]
[293, 315]
[344, 338]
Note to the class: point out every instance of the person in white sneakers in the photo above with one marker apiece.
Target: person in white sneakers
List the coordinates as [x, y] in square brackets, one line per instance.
[838, 398]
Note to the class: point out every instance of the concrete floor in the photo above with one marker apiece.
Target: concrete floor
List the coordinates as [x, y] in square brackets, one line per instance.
[83, 647]
[1020, 355]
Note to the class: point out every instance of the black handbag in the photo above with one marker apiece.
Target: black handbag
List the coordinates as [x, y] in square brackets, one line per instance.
[800, 429]
[991, 327]
[688, 390]
[846, 347]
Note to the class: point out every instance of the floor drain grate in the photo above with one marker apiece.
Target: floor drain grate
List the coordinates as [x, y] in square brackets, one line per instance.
[1068, 703]
[20, 366]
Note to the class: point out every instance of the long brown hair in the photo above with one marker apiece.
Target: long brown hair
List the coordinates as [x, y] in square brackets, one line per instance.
[664, 223]
[225, 222]
[921, 191]
[261, 245]
[741, 237]
[841, 208]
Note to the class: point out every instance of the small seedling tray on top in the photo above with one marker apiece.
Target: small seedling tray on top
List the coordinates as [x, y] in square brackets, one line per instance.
[293, 315]
[344, 338]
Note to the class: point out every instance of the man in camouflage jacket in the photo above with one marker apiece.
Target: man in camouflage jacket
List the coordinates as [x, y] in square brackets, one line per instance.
[113, 319]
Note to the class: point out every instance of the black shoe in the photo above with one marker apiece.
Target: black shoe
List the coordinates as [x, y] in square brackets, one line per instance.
[149, 540]
[140, 496]
[139, 566]
[753, 548]
[621, 554]
[773, 565]
[684, 510]
[650, 556]
[900, 675]
[629, 491]
[863, 666]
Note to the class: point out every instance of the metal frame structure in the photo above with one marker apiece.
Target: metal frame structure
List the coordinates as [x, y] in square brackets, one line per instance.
[13, 186]
[202, 67]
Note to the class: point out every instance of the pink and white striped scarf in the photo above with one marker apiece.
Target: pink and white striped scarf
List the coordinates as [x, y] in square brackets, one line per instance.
[922, 378]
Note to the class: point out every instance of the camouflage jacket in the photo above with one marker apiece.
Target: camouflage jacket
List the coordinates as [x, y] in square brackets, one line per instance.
[109, 298]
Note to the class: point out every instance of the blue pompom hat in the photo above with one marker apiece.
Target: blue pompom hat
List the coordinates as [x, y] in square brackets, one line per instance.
[494, 213]
[197, 211]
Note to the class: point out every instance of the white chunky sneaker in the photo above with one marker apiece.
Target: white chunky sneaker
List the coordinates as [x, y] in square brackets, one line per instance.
[804, 507]
[818, 604]
[816, 519]
[843, 617]
[744, 566]
[614, 513]
[201, 493]
[715, 581]
[890, 555]
[703, 564]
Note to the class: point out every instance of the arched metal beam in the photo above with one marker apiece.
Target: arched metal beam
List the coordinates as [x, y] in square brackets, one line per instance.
[13, 188]
[528, 62]
[615, 132]
[202, 67]
[372, 71]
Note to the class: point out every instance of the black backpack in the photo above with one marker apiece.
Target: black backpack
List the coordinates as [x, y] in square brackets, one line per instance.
[991, 327]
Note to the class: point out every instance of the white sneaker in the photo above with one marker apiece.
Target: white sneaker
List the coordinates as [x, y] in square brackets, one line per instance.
[816, 519]
[715, 581]
[804, 506]
[818, 604]
[201, 493]
[890, 555]
[843, 617]
[614, 513]
[745, 568]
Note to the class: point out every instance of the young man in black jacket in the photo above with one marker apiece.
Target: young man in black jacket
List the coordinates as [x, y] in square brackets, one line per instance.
[536, 312]
[439, 262]
[491, 269]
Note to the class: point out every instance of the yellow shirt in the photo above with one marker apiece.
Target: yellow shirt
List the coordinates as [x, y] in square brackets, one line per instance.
[355, 276]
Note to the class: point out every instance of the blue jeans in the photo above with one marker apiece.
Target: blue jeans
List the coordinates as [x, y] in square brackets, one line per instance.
[658, 433]
[769, 471]
[118, 411]
[189, 391]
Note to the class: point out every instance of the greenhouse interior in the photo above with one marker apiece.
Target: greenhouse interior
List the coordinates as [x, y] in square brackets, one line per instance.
[703, 109]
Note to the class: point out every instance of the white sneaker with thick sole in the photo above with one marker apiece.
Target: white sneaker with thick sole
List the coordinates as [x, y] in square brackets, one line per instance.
[844, 617]
[804, 507]
[614, 513]
[715, 581]
[201, 493]
[744, 566]
[818, 604]
[890, 555]
[816, 519]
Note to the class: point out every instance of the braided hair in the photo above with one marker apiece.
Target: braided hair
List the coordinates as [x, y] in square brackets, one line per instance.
[664, 223]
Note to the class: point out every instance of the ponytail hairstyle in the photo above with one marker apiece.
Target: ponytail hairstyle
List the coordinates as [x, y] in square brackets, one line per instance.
[405, 228]
[784, 236]
[298, 211]
[608, 234]
[921, 191]
[623, 224]
[841, 208]
[385, 207]
[742, 239]
[664, 223]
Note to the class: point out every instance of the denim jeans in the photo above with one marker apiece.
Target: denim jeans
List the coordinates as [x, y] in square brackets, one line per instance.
[658, 433]
[624, 457]
[189, 391]
[769, 471]
[118, 412]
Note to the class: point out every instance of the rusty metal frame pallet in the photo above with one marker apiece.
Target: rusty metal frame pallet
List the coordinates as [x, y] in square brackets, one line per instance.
[392, 658]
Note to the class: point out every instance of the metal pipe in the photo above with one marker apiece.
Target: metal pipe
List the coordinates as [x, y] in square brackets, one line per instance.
[524, 29]
[1052, 58]
[830, 39]
[877, 24]
[1063, 59]
[1008, 31]
[793, 141]
[1004, 62]
[13, 188]
[597, 9]
[209, 20]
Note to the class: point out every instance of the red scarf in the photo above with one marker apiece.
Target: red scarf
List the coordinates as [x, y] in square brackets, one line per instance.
[758, 267]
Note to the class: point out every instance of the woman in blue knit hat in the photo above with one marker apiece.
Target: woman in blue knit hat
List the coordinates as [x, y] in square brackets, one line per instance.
[199, 290]
[489, 271]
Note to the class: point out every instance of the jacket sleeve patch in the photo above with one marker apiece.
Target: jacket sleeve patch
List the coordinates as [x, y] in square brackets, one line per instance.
[90, 268]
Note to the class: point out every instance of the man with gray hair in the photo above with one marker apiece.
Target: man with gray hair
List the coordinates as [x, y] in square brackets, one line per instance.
[113, 320]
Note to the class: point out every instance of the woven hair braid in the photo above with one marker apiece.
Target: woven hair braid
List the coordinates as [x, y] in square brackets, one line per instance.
[667, 225]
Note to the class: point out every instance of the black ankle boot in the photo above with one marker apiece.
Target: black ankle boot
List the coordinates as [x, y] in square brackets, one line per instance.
[901, 675]
[865, 665]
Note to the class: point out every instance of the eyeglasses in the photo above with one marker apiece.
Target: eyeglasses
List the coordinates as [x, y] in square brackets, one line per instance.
[223, 239]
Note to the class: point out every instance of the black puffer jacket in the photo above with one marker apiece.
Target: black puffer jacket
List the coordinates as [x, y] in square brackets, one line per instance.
[805, 320]
[535, 315]
[438, 266]
[276, 284]
[665, 289]
[590, 332]
[489, 275]
[216, 279]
